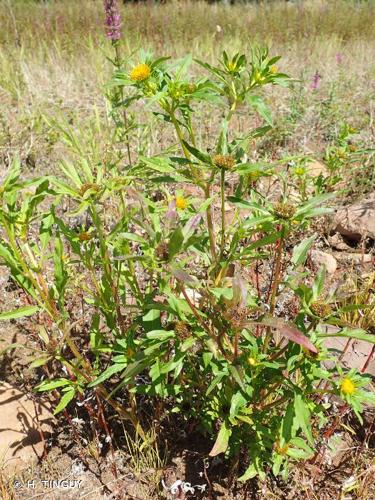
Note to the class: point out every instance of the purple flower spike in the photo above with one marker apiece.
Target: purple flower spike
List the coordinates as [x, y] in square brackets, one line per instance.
[112, 20]
[315, 81]
[339, 58]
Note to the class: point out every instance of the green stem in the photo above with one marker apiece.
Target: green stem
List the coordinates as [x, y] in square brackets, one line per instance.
[206, 188]
[108, 267]
[276, 280]
[210, 224]
[44, 300]
[275, 284]
[222, 188]
[179, 133]
[86, 374]
[124, 114]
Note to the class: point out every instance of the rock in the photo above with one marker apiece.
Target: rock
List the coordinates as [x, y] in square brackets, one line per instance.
[336, 241]
[21, 424]
[355, 258]
[320, 258]
[357, 221]
[315, 168]
[353, 353]
[356, 354]
[337, 448]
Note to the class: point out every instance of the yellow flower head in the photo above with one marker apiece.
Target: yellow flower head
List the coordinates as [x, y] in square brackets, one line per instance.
[299, 171]
[181, 202]
[273, 69]
[254, 176]
[347, 386]
[258, 78]
[251, 361]
[140, 73]
[282, 450]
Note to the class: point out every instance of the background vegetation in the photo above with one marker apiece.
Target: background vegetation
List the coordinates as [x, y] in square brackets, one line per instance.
[53, 57]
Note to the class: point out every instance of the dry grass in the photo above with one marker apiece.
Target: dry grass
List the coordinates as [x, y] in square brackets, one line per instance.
[53, 57]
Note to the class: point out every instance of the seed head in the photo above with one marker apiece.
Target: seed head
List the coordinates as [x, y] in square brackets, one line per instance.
[158, 196]
[85, 236]
[224, 161]
[191, 87]
[321, 309]
[284, 210]
[140, 73]
[182, 330]
[236, 315]
[87, 186]
[347, 386]
[161, 251]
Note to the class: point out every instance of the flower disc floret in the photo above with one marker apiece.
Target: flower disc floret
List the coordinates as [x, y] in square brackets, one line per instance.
[224, 161]
[321, 309]
[347, 386]
[181, 203]
[284, 210]
[299, 171]
[182, 330]
[85, 236]
[140, 73]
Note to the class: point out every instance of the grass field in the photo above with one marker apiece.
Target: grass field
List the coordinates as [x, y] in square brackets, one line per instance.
[53, 57]
[90, 270]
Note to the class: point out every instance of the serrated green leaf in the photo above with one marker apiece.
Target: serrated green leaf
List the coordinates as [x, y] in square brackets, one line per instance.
[19, 313]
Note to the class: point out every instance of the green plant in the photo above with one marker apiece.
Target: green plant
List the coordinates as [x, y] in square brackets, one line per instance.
[165, 309]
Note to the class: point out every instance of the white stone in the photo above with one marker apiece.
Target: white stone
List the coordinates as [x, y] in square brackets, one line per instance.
[320, 258]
